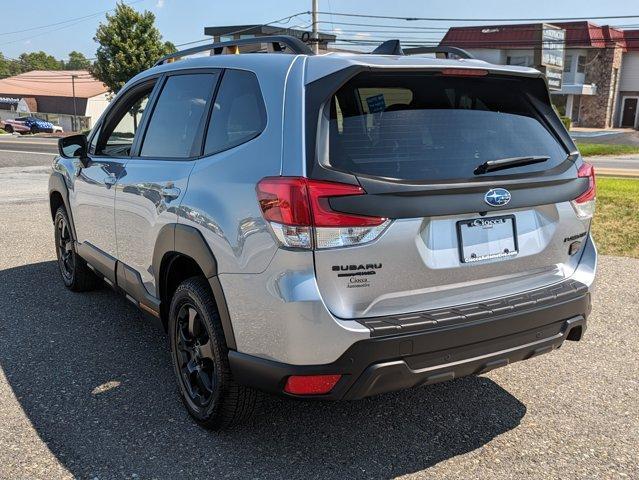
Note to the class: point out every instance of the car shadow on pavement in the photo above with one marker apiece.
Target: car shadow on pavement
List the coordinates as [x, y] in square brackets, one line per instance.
[93, 376]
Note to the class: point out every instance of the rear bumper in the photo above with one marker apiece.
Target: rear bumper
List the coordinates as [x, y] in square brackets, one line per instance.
[392, 362]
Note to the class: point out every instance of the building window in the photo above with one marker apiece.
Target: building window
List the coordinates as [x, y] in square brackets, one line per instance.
[568, 63]
[520, 61]
[581, 63]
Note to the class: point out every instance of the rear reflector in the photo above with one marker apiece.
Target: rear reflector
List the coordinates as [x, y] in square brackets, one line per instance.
[464, 72]
[584, 204]
[297, 208]
[310, 384]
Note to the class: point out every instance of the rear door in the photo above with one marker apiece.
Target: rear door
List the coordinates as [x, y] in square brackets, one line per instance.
[461, 229]
[156, 178]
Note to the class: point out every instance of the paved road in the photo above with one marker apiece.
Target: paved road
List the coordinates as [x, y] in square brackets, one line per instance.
[86, 390]
[18, 151]
[624, 165]
[624, 137]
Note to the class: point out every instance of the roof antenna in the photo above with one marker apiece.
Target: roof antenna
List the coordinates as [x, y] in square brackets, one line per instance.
[389, 47]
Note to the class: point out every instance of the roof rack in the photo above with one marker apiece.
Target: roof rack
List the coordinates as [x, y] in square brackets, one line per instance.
[278, 43]
[394, 47]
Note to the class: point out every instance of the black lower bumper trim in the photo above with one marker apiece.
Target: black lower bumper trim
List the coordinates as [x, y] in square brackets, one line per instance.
[389, 363]
[395, 324]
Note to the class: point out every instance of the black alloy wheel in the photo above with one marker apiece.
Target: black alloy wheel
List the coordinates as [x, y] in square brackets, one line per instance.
[75, 272]
[64, 246]
[200, 359]
[194, 356]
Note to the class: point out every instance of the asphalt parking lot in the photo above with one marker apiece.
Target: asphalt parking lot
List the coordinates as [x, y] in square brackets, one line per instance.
[87, 390]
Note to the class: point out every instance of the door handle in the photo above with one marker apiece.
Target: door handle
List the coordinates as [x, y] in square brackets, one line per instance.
[170, 193]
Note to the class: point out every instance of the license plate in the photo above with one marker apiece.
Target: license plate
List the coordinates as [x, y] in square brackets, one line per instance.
[487, 238]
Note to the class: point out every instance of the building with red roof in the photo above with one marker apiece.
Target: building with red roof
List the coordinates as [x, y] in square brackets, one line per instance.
[57, 95]
[599, 79]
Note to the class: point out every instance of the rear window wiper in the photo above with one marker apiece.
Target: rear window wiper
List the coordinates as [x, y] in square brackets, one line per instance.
[512, 162]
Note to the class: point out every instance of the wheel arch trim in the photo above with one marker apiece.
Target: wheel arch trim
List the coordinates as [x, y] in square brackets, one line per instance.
[184, 240]
[58, 185]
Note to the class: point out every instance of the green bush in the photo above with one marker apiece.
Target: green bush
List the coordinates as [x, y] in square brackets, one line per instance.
[2, 131]
[567, 122]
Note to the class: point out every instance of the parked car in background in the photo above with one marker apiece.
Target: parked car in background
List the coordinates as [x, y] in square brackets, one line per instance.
[25, 125]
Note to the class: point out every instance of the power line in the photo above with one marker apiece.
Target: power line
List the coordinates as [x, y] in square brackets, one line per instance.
[435, 19]
[520, 26]
[85, 17]
[54, 29]
[280, 20]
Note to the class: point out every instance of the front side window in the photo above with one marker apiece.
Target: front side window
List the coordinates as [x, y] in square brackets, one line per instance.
[442, 129]
[239, 114]
[117, 139]
[177, 116]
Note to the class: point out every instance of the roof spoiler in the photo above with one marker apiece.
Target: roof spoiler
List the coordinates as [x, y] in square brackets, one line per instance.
[277, 43]
[394, 47]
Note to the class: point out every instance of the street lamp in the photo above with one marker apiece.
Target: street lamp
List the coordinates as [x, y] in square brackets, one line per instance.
[75, 109]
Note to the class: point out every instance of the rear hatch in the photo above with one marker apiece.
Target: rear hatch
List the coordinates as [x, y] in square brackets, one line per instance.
[471, 175]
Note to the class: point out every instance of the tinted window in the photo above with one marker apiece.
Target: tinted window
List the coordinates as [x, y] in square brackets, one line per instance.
[445, 129]
[117, 140]
[238, 115]
[176, 118]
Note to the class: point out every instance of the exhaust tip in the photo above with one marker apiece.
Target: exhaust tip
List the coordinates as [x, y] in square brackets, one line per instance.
[575, 333]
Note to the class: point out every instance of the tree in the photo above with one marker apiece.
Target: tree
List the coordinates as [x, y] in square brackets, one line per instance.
[77, 61]
[129, 43]
[8, 67]
[38, 61]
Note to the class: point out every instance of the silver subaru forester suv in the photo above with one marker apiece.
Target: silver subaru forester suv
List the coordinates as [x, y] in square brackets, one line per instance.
[331, 226]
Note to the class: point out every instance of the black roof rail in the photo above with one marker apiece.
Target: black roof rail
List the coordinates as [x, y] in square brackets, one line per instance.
[460, 52]
[394, 47]
[279, 43]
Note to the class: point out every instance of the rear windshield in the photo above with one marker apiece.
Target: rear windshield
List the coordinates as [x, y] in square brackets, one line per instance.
[433, 127]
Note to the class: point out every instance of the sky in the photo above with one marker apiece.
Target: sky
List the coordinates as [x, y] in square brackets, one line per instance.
[24, 24]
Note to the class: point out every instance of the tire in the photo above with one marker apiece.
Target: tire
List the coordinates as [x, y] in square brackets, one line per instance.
[75, 273]
[200, 360]
[8, 128]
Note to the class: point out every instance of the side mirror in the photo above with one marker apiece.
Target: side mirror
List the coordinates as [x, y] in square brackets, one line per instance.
[74, 146]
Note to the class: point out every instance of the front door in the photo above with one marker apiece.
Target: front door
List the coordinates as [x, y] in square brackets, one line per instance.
[629, 114]
[93, 195]
[151, 191]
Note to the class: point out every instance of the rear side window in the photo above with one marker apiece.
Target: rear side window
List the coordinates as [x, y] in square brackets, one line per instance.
[176, 118]
[432, 127]
[238, 114]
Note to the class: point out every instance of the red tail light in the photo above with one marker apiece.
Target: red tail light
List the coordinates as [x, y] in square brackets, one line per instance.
[464, 72]
[587, 171]
[311, 384]
[299, 201]
[284, 200]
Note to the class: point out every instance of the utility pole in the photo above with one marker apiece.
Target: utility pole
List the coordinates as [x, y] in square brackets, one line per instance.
[314, 32]
[75, 109]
